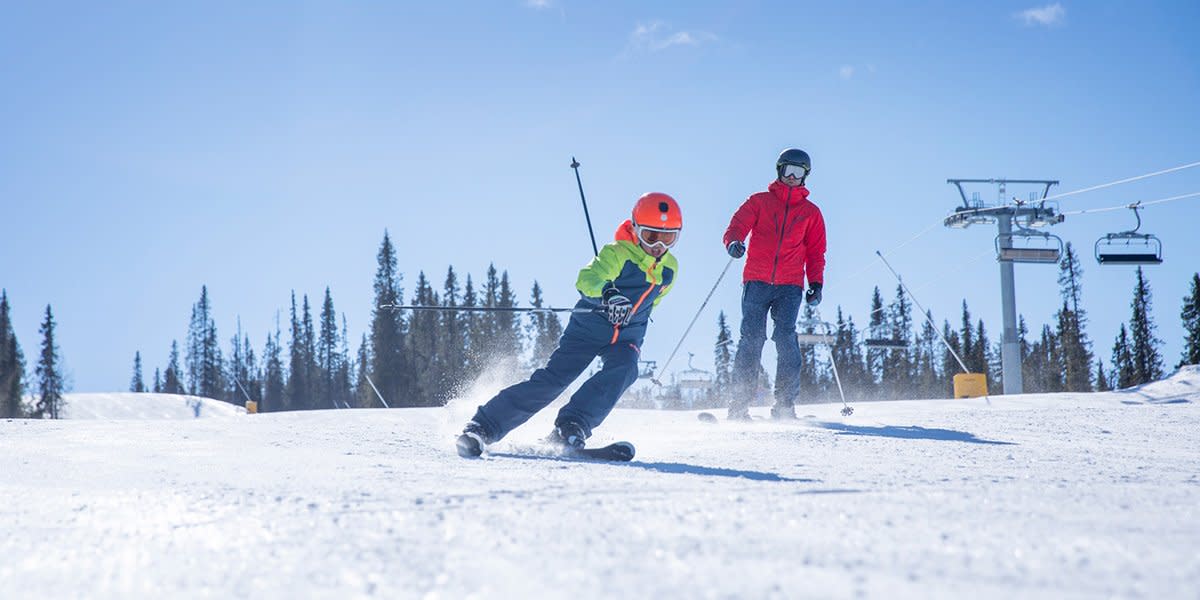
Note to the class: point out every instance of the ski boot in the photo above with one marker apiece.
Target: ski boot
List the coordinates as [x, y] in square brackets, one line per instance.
[472, 441]
[569, 435]
[781, 412]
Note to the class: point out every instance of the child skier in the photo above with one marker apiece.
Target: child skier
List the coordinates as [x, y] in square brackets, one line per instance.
[622, 285]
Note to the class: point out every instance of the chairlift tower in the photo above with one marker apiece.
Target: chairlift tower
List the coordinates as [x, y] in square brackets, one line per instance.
[1015, 221]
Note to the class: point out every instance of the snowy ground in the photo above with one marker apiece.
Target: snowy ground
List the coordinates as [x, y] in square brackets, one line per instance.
[1051, 496]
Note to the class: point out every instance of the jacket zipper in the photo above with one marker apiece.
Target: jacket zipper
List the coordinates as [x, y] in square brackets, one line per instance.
[633, 311]
[778, 246]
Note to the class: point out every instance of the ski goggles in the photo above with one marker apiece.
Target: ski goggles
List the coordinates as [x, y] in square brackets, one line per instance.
[797, 171]
[656, 237]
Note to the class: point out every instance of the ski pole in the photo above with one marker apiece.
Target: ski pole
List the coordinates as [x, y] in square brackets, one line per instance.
[925, 312]
[530, 309]
[575, 165]
[846, 410]
[689, 327]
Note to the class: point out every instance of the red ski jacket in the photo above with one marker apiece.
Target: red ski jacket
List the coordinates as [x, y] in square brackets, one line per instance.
[787, 236]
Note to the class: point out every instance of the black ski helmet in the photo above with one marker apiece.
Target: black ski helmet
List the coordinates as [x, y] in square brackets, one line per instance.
[793, 156]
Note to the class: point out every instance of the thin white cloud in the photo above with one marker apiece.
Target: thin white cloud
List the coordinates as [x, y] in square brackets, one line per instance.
[657, 35]
[846, 72]
[1051, 14]
[539, 4]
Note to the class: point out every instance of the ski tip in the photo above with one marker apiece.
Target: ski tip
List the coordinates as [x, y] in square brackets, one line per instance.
[707, 417]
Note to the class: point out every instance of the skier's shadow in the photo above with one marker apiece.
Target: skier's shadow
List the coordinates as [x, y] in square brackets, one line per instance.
[673, 468]
[686, 469]
[910, 433]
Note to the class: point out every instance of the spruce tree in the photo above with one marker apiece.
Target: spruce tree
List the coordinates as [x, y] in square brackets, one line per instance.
[274, 394]
[1122, 359]
[173, 378]
[1103, 384]
[1075, 349]
[473, 329]
[157, 380]
[344, 381]
[1147, 360]
[950, 366]
[509, 344]
[897, 362]
[544, 331]
[453, 341]
[723, 361]
[296, 396]
[137, 383]
[1191, 324]
[206, 376]
[876, 329]
[12, 365]
[364, 392]
[328, 357]
[389, 369]
[49, 373]
[928, 377]
[423, 345]
[981, 358]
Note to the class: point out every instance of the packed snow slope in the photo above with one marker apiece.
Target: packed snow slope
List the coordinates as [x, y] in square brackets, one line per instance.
[128, 405]
[1034, 496]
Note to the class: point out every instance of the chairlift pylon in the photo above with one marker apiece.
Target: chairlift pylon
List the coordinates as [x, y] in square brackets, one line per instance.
[1129, 247]
[1049, 251]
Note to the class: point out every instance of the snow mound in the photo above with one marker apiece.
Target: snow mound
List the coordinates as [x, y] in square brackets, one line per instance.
[1181, 387]
[133, 405]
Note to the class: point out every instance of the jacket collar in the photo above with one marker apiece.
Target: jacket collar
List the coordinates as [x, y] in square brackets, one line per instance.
[625, 234]
[781, 190]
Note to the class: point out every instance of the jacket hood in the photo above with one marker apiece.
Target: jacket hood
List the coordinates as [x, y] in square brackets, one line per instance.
[625, 232]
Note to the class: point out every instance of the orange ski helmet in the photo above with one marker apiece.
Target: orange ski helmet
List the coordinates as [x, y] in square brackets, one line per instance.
[657, 219]
[657, 210]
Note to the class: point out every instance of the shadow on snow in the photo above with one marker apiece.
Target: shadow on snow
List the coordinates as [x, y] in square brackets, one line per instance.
[670, 467]
[910, 433]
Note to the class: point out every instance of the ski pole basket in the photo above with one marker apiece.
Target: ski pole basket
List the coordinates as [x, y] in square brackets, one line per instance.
[1129, 247]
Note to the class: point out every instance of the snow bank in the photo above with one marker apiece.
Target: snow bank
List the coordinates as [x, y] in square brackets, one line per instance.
[131, 405]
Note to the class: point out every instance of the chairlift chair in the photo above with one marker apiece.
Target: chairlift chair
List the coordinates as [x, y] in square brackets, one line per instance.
[885, 344]
[1129, 247]
[646, 370]
[822, 333]
[1048, 248]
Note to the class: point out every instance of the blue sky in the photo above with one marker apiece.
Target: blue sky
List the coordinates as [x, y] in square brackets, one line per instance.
[256, 148]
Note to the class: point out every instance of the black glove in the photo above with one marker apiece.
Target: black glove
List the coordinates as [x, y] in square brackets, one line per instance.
[616, 306]
[736, 249]
[813, 295]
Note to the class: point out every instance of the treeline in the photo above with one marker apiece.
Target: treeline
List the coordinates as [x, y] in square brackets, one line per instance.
[407, 358]
[1060, 359]
[424, 358]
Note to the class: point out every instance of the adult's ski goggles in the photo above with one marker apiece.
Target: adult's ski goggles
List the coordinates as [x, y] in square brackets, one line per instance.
[652, 237]
[796, 171]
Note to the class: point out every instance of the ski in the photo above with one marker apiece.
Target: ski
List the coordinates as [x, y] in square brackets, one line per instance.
[614, 452]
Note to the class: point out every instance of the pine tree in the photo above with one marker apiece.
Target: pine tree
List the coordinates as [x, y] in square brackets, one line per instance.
[390, 369]
[423, 345]
[312, 376]
[137, 384]
[12, 365]
[1122, 359]
[364, 392]
[981, 358]
[157, 381]
[453, 341]
[173, 379]
[1191, 324]
[1103, 384]
[274, 394]
[897, 363]
[544, 330]
[206, 377]
[244, 381]
[1075, 349]
[296, 397]
[344, 381]
[328, 357]
[950, 366]
[723, 360]
[509, 344]
[475, 329]
[49, 375]
[1147, 361]
[876, 329]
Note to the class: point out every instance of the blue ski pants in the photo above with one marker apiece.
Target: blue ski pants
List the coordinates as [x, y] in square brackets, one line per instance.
[783, 303]
[588, 406]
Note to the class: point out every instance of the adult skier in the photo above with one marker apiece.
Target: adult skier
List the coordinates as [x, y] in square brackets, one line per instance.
[787, 243]
[622, 284]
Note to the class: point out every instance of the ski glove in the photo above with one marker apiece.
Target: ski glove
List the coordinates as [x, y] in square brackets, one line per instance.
[813, 295]
[736, 249]
[616, 306]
